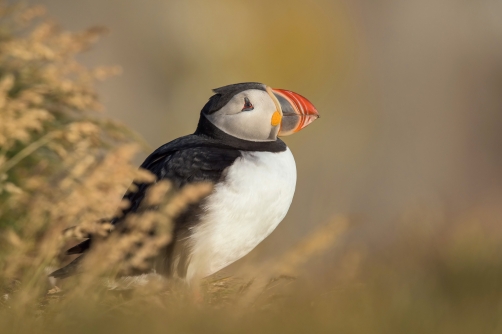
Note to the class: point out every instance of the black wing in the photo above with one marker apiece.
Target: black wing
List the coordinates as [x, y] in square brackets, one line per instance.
[182, 165]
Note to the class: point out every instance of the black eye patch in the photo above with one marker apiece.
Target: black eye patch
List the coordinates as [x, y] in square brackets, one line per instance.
[248, 106]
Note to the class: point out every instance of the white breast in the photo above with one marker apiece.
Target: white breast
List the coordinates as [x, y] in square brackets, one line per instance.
[242, 211]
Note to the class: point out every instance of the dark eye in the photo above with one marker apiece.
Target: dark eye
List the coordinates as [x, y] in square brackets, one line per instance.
[247, 105]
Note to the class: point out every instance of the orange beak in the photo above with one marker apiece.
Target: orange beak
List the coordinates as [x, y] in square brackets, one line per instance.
[297, 111]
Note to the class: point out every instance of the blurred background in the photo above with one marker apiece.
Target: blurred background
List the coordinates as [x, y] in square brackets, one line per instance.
[410, 94]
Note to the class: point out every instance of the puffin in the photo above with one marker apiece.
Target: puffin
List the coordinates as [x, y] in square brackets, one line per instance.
[236, 147]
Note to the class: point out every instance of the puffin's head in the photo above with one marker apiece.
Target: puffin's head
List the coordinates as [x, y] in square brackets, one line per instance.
[255, 112]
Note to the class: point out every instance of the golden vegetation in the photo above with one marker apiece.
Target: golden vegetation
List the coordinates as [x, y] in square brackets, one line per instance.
[63, 165]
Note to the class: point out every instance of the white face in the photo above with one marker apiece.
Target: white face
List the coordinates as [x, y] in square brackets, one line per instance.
[248, 115]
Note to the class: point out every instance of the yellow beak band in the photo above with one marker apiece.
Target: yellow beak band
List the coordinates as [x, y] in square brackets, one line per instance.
[276, 118]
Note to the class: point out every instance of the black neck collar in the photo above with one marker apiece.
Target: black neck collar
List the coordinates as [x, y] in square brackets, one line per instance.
[207, 129]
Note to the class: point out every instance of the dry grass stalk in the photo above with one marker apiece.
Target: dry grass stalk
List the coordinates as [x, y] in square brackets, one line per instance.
[289, 265]
[317, 243]
[130, 248]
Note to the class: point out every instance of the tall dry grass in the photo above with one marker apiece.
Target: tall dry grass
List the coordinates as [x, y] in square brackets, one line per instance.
[62, 164]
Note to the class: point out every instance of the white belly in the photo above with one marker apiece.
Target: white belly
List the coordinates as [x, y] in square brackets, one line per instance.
[242, 211]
